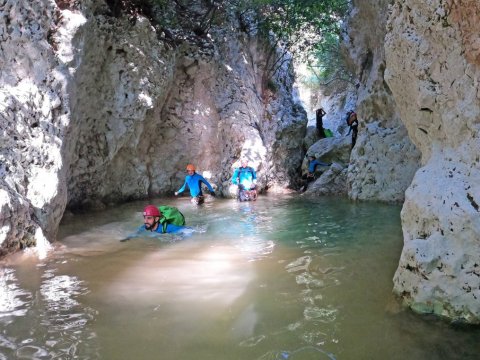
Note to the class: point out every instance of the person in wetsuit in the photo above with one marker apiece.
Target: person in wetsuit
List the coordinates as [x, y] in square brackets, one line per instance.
[194, 182]
[352, 123]
[319, 123]
[152, 222]
[151, 219]
[245, 178]
[312, 166]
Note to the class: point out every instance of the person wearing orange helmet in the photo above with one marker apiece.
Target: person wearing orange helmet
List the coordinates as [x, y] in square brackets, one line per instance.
[194, 182]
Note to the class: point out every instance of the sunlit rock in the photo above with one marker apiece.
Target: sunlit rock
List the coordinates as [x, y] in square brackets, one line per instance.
[384, 159]
[33, 119]
[382, 164]
[433, 72]
[97, 109]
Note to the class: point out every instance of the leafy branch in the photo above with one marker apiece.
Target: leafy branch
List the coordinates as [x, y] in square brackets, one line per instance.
[307, 29]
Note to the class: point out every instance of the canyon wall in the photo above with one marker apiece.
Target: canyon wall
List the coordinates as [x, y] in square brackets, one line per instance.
[99, 108]
[34, 122]
[384, 160]
[433, 70]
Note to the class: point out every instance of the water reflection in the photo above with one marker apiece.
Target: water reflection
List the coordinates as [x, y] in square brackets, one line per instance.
[49, 324]
[280, 278]
[59, 292]
[13, 300]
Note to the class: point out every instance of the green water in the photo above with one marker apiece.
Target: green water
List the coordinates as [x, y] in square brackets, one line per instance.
[280, 278]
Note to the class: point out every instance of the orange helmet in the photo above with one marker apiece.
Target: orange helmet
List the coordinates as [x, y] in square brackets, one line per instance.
[151, 210]
[190, 167]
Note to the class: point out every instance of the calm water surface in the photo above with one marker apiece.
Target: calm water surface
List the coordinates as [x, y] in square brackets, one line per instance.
[281, 278]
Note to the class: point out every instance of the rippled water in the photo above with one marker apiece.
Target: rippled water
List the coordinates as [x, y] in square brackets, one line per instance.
[281, 278]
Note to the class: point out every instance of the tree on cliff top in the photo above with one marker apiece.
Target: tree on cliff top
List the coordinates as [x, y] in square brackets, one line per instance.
[307, 29]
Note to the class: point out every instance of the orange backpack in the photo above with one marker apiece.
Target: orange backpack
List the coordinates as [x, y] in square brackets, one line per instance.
[352, 117]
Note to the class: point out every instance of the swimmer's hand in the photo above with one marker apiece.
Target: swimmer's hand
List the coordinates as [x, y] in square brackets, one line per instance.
[127, 238]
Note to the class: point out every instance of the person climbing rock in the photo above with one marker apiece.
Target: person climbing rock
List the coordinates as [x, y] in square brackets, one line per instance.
[245, 178]
[312, 166]
[352, 122]
[194, 182]
[319, 122]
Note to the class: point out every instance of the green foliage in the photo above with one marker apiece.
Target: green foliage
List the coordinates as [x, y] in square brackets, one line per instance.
[326, 64]
[307, 29]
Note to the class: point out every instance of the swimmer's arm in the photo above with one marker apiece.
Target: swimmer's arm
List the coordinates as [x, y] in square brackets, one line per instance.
[135, 234]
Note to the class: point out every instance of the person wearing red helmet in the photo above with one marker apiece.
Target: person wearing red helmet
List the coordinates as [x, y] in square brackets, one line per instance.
[151, 219]
[194, 182]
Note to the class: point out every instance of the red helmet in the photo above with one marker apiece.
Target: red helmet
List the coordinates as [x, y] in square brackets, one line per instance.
[151, 210]
[190, 167]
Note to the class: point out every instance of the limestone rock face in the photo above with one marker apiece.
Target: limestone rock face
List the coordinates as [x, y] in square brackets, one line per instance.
[122, 74]
[145, 111]
[333, 149]
[331, 182]
[382, 163]
[433, 70]
[384, 160]
[95, 110]
[34, 116]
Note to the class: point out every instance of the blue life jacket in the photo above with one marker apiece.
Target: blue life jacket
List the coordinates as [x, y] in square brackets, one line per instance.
[244, 176]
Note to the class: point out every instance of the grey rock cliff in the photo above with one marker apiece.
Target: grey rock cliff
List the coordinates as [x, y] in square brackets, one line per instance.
[95, 109]
[384, 159]
[433, 70]
[34, 119]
